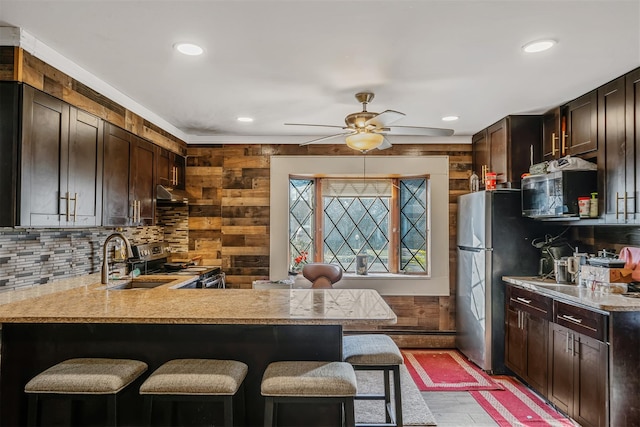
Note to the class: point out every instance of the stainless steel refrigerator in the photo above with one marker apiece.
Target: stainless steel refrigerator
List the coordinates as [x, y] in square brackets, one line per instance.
[494, 240]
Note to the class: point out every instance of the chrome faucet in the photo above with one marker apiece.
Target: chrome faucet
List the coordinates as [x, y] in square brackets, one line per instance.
[105, 261]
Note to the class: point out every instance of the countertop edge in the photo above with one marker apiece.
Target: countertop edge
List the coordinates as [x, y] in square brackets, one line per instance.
[576, 295]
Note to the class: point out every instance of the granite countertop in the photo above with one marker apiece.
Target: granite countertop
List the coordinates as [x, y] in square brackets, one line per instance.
[85, 300]
[575, 294]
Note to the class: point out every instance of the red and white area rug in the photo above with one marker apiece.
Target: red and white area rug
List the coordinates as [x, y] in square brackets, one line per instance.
[516, 405]
[446, 370]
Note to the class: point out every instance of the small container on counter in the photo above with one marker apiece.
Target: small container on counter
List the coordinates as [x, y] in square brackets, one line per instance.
[490, 180]
[474, 182]
[593, 205]
[584, 207]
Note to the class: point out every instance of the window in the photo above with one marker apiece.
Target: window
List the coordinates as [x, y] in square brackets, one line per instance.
[334, 219]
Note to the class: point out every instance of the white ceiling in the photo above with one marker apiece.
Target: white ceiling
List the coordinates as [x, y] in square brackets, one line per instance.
[302, 61]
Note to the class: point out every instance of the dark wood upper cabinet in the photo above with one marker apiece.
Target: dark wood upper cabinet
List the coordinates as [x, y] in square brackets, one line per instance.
[170, 169]
[142, 180]
[632, 131]
[59, 152]
[117, 210]
[617, 161]
[129, 179]
[551, 134]
[581, 135]
[507, 148]
[10, 101]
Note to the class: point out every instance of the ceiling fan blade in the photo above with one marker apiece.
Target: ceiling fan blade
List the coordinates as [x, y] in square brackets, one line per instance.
[384, 119]
[419, 131]
[325, 138]
[308, 124]
[385, 144]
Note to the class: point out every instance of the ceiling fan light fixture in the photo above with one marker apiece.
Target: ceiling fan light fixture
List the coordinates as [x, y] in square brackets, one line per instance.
[364, 141]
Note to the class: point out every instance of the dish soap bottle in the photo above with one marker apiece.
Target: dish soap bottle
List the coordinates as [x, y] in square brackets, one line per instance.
[593, 206]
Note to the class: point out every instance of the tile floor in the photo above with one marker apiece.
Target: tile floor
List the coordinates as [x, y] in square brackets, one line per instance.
[456, 408]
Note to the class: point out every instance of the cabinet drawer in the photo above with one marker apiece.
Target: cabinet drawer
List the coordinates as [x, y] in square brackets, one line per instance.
[582, 320]
[531, 302]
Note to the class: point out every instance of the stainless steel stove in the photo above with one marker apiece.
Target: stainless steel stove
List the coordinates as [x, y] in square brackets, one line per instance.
[152, 258]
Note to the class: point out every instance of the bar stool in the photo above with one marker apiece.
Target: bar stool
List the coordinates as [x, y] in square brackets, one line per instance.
[83, 378]
[377, 352]
[208, 380]
[308, 381]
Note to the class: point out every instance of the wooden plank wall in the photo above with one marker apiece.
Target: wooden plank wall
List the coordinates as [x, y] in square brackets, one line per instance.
[18, 65]
[229, 212]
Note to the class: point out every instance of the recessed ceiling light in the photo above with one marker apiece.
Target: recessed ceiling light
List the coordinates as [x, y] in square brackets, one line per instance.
[538, 46]
[245, 119]
[188, 49]
[450, 118]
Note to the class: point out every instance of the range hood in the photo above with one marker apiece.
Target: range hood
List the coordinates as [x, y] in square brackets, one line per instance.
[166, 195]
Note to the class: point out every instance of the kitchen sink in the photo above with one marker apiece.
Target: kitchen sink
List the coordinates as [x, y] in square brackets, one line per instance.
[138, 283]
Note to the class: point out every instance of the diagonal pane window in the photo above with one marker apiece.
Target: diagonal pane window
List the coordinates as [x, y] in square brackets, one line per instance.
[413, 225]
[356, 220]
[301, 218]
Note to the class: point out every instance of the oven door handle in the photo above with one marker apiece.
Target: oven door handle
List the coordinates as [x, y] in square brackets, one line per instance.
[216, 281]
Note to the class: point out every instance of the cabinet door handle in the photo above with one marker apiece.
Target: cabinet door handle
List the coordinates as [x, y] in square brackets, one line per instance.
[564, 142]
[135, 211]
[526, 301]
[75, 206]
[139, 210]
[554, 138]
[571, 319]
[66, 197]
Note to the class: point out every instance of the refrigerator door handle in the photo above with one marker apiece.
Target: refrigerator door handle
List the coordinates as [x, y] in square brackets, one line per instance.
[472, 249]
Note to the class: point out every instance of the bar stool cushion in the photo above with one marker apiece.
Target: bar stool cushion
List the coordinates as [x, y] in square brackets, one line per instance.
[309, 379]
[373, 349]
[196, 377]
[87, 376]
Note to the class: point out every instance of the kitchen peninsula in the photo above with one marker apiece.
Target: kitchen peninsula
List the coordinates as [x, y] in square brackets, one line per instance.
[163, 323]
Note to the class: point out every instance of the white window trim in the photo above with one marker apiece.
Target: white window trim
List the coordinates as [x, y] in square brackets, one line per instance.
[437, 167]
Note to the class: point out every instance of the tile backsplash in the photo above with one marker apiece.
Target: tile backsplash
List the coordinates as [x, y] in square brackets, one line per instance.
[35, 256]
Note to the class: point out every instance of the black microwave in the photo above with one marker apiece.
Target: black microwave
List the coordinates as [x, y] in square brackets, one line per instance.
[555, 194]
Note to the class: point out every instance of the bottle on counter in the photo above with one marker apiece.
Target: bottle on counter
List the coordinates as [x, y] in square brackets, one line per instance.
[593, 205]
[474, 182]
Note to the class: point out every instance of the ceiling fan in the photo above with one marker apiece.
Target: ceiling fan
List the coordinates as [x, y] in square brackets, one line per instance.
[366, 130]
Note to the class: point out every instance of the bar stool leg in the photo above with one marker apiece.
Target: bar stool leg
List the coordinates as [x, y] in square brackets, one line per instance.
[386, 373]
[228, 411]
[32, 416]
[397, 394]
[349, 409]
[148, 408]
[112, 410]
[268, 412]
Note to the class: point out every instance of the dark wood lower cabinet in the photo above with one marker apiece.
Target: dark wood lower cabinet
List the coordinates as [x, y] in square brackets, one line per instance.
[578, 376]
[527, 332]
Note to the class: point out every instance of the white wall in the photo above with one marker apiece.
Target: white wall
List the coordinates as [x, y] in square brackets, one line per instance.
[438, 169]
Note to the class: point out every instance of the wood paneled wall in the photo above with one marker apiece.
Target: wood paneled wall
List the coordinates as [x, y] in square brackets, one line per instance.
[18, 65]
[229, 217]
[229, 189]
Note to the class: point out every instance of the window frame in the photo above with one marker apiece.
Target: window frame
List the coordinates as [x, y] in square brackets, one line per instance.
[439, 166]
[393, 232]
